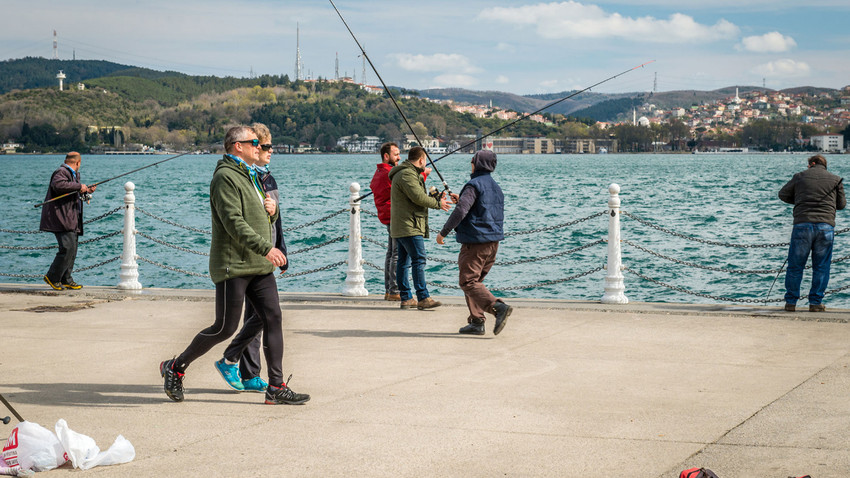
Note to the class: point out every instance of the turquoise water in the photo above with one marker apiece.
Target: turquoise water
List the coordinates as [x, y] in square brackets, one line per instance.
[722, 198]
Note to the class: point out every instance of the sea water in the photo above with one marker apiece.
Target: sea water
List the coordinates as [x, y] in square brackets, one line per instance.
[724, 198]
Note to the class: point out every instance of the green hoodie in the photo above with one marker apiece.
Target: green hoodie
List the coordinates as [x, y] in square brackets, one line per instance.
[409, 202]
[241, 227]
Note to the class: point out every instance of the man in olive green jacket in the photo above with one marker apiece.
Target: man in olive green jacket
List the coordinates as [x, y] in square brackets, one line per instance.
[242, 262]
[409, 226]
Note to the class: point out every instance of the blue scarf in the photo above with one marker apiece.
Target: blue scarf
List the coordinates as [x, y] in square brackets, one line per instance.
[252, 173]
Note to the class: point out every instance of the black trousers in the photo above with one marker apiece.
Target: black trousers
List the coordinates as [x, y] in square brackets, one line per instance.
[63, 263]
[245, 348]
[230, 295]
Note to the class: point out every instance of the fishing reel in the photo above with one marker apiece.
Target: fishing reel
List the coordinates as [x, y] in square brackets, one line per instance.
[86, 197]
[435, 193]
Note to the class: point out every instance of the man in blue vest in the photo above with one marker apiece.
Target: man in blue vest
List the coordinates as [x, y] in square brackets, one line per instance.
[478, 222]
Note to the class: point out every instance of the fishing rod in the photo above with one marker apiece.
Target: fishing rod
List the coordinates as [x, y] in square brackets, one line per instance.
[528, 115]
[110, 179]
[11, 409]
[395, 103]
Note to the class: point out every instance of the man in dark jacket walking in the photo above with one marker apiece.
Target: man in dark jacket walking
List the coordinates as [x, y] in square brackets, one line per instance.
[64, 218]
[816, 194]
[478, 221]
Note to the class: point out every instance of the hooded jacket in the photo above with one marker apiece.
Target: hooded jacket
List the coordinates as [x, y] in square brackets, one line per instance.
[816, 194]
[241, 227]
[410, 202]
[480, 213]
[66, 214]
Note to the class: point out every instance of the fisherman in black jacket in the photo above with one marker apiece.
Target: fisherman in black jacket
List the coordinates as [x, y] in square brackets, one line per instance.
[64, 218]
[816, 194]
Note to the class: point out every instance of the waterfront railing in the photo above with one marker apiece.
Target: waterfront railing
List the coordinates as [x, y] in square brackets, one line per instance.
[597, 258]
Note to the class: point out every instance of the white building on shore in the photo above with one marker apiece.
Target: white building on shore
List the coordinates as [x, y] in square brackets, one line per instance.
[829, 143]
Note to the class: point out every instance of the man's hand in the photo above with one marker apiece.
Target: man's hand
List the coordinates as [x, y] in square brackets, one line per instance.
[276, 257]
[87, 189]
[427, 171]
[269, 204]
[441, 239]
[455, 197]
[445, 203]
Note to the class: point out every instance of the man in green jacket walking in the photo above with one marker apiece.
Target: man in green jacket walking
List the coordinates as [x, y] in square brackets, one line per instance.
[242, 263]
[409, 227]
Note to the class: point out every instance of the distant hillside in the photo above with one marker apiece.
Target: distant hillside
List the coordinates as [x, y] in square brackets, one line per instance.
[522, 104]
[30, 72]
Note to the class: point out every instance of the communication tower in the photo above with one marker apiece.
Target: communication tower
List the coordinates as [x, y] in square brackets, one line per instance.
[55, 47]
[336, 69]
[299, 65]
[363, 76]
[61, 77]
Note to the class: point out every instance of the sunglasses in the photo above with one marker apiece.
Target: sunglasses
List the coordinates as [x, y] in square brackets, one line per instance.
[266, 147]
[254, 142]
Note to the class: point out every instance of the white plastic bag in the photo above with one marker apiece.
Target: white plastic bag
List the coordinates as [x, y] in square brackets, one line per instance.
[84, 452]
[33, 447]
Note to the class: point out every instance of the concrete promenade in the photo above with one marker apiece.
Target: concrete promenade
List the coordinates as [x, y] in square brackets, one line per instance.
[568, 389]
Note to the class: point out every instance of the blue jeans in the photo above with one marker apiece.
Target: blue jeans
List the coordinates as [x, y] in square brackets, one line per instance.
[808, 237]
[411, 255]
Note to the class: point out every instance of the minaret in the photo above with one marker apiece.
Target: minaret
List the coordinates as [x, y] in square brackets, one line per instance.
[55, 47]
[336, 68]
[363, 76]
[298, 64]
[61, 78]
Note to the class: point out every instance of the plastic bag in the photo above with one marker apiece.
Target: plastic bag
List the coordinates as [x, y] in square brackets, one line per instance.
[84, 453]
[33, 447]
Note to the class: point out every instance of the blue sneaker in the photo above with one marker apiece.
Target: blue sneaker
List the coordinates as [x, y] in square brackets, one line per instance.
[230, 374]
[256, 384]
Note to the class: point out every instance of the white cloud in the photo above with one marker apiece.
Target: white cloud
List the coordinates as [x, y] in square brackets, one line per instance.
[773, 42]
[456, 81]
[785, 68]
[435, 62]
[502, 80]
[549, 84]
[576, 20]
[507, 47]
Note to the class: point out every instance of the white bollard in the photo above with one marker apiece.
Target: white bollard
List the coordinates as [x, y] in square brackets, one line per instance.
[354, 278]
[129, 268]
[614, 287]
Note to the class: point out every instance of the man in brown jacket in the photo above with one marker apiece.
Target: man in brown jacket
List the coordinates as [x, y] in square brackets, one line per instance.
[64, 218]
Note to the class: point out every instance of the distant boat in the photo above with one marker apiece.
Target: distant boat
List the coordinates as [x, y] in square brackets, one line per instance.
[602, 150]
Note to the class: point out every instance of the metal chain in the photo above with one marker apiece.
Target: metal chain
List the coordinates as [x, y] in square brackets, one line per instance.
[698, 266]
[316, 221]
[188, 228]
[99, 264]
[326, 243]
[564, 253]
[529, 286]
[98, 218]
[40, 248]
[324, 268]
[173, 269]
[12, 231]
[367, 263]
[368, 212]
[707, 296]
[556, 226]
[22, 276]
[173, 246]
[696, 239]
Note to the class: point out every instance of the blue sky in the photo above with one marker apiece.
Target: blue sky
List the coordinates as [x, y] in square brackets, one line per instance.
[523, 47]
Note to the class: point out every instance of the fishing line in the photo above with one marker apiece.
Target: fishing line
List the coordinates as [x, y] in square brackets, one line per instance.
[434, 167]
[114, 177]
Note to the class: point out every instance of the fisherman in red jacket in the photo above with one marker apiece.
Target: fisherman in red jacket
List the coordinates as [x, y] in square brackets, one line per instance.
[380, 185]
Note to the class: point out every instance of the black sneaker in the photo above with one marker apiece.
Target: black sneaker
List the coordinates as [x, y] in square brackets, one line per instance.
[503, 311]
[173, 380]
[56, 286]
[284, 395]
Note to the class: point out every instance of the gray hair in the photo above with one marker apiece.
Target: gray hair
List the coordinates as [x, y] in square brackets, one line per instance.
[234, 134]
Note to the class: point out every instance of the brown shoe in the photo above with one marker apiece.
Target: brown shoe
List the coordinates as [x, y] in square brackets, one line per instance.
[428, 303]
[790, 307]
[408, 304]
[817, 308]
[392, 297]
